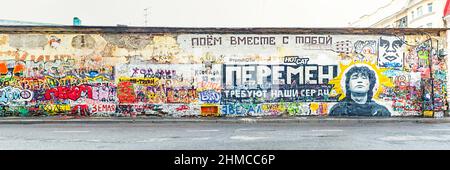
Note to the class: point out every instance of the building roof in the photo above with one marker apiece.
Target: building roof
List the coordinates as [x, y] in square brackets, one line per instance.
[382, 13]
[17, 22]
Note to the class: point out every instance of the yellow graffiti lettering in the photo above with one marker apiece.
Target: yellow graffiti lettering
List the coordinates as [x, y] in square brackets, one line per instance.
[153, 81]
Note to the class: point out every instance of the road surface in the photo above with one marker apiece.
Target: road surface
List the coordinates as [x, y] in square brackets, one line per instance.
[208, 136]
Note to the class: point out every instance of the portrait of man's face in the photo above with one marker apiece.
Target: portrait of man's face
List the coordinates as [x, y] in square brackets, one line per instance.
[359, 80]
[359, 83]
[390, 52]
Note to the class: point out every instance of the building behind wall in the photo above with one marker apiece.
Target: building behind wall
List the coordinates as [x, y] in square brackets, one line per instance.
[19, 22]
[409, 14]
[405, 14]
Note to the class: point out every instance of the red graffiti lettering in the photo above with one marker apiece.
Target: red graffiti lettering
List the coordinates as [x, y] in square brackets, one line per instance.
[72, 93]
[82, 110]
[182, 107]
[126, 92]
[102, 108]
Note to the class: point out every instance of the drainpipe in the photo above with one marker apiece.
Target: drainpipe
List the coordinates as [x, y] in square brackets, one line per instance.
[446, 50]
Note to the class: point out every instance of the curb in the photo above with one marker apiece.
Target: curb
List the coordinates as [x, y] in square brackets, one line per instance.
[222, 120]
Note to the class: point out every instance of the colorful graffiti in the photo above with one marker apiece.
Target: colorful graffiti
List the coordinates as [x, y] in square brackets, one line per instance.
[182, 75]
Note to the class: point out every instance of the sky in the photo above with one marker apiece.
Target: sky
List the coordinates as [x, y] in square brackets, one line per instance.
[192, 13]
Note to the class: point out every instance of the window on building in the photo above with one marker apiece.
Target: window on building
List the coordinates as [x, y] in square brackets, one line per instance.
[429, 25]
[430, 7]
[401, 23]
[412, 15]
[419, 11]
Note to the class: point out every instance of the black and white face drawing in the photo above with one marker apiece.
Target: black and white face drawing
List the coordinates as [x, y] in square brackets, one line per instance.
[360, 82]
[390, 52]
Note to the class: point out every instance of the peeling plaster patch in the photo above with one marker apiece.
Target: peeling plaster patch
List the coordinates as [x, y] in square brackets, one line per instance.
[100, 42]
[3, 39]
[108, 51]
[83, 41]
[164, 49]
[134, 41]
[27, 40]
[135, 59]
[113, 61]
[54, 41]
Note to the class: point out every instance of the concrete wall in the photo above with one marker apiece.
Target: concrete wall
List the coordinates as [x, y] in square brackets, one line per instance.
[222, 73]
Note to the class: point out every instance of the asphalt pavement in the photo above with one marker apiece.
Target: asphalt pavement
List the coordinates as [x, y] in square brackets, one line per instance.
[212, 135]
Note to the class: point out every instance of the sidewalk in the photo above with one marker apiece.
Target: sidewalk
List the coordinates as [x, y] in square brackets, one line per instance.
[56, 119]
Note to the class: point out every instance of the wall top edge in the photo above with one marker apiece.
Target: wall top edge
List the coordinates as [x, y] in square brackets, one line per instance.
[214, 30]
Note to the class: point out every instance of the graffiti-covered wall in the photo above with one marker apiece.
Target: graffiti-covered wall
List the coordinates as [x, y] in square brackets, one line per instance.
[222, 74]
